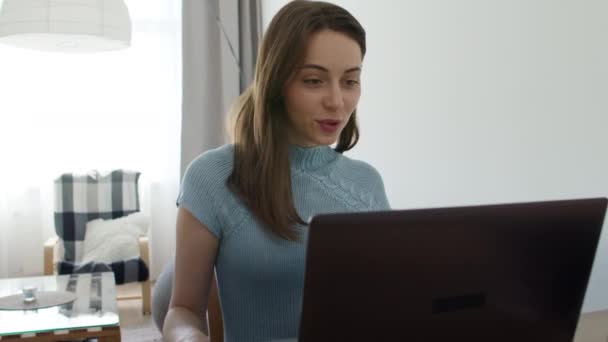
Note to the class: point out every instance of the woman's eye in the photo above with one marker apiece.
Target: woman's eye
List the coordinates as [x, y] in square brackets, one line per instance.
[352, 83]
[312, 81]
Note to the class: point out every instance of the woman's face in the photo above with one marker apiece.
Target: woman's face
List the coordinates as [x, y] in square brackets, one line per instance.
[325, 90]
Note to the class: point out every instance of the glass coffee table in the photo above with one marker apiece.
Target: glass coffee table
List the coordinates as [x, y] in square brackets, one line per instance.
[93, 314]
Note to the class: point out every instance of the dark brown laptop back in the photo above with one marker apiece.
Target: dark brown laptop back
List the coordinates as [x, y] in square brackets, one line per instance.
[513, 272]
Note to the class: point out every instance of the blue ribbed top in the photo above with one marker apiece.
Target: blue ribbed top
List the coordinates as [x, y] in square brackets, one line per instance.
[261, 276]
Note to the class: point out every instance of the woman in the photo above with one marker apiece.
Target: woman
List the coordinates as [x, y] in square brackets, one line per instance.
[243, 208]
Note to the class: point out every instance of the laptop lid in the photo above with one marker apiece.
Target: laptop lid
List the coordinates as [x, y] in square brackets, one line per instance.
[510, 272]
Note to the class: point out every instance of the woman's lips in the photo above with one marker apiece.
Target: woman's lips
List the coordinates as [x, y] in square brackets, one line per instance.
[329, 126]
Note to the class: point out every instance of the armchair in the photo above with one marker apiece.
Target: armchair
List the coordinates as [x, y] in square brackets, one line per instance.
[80, 199]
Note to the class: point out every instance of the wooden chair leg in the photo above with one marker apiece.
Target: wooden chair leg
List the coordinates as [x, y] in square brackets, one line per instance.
[145, 300]
[49, 249]
[144, 250]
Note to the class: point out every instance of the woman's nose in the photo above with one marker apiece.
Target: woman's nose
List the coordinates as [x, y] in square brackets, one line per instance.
[333, 99]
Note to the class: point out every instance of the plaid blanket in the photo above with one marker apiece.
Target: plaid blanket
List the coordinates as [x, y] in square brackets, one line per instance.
[82, 198]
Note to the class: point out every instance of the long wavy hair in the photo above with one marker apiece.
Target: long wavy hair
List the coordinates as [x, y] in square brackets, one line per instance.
[261, 175]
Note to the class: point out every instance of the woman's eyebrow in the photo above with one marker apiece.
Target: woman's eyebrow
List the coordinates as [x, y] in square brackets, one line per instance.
[324, 69]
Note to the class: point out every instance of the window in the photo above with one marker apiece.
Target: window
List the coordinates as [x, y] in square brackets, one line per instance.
[77, 112]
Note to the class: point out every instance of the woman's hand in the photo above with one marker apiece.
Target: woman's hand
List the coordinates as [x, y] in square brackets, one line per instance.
[194, 336]
[182, 325]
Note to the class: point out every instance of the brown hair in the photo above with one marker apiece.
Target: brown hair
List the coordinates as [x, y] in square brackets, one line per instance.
[261, 174]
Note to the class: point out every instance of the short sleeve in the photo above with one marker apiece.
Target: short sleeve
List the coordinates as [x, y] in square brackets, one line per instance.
[203, 186]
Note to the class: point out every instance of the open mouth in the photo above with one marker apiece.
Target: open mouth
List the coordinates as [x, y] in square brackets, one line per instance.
[328, 126]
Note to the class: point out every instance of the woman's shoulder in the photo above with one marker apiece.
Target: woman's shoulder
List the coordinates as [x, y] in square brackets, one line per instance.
[213, 163]
[357, 168]
[215, 157]
[362, 175]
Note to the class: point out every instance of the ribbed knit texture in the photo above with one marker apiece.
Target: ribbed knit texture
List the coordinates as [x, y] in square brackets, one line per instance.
[261, 276]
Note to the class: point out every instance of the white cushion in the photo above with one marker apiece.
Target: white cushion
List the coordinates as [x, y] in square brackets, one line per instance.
[107, 241]
[139, 219]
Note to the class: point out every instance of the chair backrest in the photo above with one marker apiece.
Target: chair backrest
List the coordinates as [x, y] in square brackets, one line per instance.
[80, 198]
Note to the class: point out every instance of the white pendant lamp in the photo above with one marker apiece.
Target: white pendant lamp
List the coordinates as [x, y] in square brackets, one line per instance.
[66, 25]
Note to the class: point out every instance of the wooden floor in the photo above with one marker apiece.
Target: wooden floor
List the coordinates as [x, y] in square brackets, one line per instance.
[593, 327]
[135, 327]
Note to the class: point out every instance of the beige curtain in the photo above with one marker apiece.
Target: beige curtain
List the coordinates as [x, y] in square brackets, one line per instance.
[220, 41]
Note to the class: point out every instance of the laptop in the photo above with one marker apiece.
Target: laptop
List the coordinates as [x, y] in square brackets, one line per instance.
[509, 272]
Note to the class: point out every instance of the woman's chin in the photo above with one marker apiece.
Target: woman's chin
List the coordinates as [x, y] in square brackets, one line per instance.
[327, 138]
[327, 141]
[318, 140]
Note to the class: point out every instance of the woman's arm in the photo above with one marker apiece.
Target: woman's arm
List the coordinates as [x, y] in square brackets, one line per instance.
[194, 259]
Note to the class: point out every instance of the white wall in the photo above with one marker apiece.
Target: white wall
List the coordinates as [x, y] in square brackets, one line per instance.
[486, 101]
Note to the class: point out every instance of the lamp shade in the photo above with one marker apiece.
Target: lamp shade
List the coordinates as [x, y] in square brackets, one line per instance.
[66, 25]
